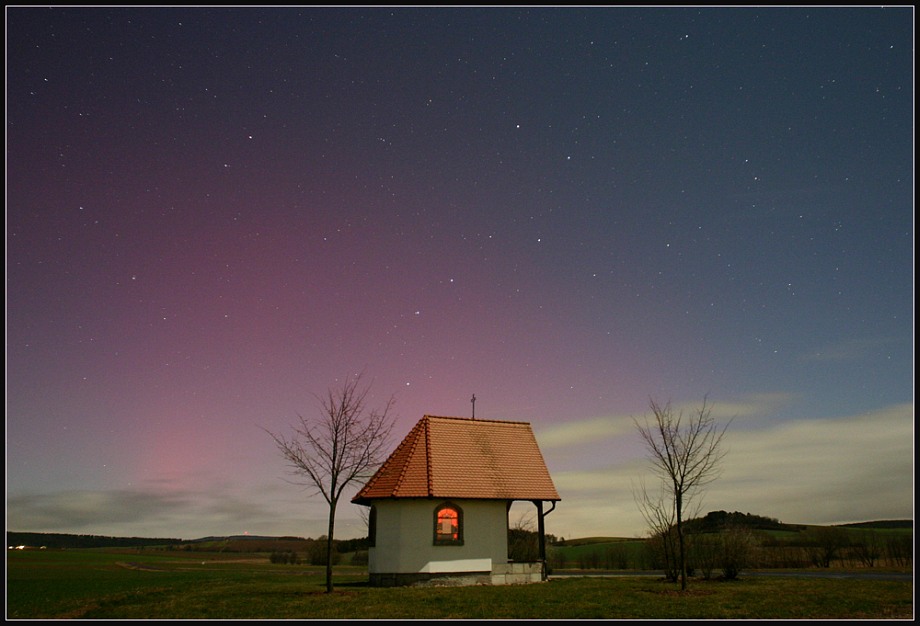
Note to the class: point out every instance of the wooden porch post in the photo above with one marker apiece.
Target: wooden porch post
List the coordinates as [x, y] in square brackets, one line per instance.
[541, 529]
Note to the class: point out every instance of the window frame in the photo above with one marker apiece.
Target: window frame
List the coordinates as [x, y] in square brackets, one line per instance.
[438, 538]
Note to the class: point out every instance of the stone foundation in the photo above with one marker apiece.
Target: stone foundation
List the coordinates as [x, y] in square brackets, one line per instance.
[501, 574]
[517, 573]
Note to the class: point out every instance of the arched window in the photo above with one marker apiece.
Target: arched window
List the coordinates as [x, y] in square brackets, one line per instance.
[448, 525]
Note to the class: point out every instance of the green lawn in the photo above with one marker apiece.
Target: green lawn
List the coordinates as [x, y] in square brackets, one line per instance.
[91, 584]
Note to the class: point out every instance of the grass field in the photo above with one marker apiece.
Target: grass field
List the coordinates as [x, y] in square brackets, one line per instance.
[771, 549]
[132, 584]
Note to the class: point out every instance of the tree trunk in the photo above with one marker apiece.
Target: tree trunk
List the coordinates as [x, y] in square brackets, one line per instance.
[329, 548]
[680, 543]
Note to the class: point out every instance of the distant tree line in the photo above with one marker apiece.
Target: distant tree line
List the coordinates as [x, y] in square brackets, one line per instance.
[724, 544]
[824, 546]
[524, 541]
[57, 541]
[238, 543]
[313, 552]
[352, 545]
[715, 521]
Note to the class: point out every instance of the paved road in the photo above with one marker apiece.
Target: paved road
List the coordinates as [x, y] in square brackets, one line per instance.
[866, 575]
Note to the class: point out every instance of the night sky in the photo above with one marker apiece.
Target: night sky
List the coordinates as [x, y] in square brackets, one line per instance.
[213, 214]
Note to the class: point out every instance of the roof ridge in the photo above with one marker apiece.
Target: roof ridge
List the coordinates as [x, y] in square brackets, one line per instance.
[428, 487]
[407, 442]
[474, 419]
[412, 447]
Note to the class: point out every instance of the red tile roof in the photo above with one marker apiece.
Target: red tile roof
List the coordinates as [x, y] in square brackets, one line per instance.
[458, 457]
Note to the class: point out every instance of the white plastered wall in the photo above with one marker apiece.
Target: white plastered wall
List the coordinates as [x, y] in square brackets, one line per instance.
[405, 537]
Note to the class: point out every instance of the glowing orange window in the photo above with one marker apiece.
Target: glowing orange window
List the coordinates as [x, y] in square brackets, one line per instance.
[448, 525]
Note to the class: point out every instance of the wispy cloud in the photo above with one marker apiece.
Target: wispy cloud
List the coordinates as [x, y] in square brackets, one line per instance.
[828, 470]
[188, 514]
[850, 350]
[83, 509]
[576, 433]
[831, 470]
[612, 427]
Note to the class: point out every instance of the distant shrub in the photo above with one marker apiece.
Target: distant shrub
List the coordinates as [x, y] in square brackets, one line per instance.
[899, 550]
[868, 550]
[737, 548]
[284, 557]
[557, 558]
[316, 553]
[705, 553]
[825, 544]
[523, 545]
[359, 557]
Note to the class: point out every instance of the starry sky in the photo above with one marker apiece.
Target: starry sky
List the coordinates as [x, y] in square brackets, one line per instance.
[213, 214]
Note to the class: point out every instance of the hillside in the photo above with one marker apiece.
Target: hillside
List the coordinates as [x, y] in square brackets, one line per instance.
[710, 522]
[59, 540]
[233, 543]
[892, 523]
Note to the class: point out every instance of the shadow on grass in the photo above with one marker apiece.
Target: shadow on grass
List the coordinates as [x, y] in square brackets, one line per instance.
[356, 583]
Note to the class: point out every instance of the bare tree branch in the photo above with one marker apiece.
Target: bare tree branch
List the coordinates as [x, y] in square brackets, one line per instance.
[344, 444]
[686, 456]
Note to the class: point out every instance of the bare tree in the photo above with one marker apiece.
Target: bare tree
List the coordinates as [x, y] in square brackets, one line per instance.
[523, 539]
[686, 455]
[660, 515]
[827, 544]
[737, 549]
[344, 444]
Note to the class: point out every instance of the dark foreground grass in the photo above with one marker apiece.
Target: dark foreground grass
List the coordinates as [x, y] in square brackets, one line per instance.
[105, 585]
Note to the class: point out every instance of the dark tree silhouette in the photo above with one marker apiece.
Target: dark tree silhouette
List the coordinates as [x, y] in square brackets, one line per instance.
[344, 444]
[685, 454]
